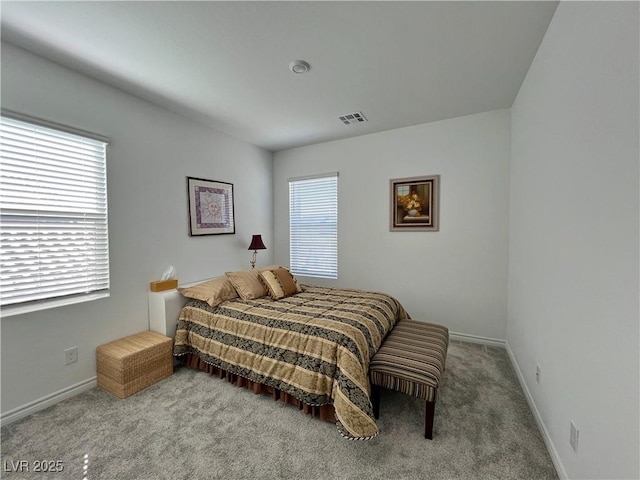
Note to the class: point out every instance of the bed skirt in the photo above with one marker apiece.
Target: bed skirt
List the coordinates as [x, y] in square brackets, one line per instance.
[323, 412]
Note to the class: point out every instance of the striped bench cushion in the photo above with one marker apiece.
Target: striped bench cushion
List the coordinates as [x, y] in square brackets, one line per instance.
[412, 359]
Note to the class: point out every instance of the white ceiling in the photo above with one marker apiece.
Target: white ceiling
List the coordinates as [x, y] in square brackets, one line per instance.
[226, 63]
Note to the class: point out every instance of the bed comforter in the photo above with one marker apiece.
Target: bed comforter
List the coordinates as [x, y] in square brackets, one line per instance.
[315, 345]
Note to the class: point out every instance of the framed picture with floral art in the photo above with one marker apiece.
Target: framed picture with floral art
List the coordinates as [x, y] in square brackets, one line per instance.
[210, 207]
[415, 203]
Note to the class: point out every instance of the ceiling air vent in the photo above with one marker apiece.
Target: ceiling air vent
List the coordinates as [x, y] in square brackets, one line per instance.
[350, 118]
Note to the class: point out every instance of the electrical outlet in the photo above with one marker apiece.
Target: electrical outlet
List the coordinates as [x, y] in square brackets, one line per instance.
[538, 373]
[574, 436]
[71, 355]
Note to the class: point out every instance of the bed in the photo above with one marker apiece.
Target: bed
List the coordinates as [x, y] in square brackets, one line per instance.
[314, 346]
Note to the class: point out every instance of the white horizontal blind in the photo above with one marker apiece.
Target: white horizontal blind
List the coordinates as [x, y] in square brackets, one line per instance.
[53, 214]
[313, 226]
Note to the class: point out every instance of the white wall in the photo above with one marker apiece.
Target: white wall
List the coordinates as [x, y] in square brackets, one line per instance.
[573, 253]
[457, 276]
[151, 153]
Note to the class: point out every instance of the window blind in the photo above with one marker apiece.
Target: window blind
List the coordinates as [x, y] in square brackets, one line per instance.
[53, 214]
[313, 226]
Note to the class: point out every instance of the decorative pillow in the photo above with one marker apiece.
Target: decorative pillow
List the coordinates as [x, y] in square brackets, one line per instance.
[247, 284]
[269, 267]
[280, 283]
[214, 292]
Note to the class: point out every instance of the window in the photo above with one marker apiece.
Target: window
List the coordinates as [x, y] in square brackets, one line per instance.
[313, 226]
[53, 215]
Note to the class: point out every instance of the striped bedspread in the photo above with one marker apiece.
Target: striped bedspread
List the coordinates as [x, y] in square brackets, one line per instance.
[315, 345]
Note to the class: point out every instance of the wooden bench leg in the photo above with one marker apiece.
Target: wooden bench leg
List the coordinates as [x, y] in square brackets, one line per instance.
[375, 400]
[428, 422]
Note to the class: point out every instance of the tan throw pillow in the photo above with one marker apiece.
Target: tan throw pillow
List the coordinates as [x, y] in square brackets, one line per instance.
[214, 292]
[280, 283]
[247, 284]
[269, 267]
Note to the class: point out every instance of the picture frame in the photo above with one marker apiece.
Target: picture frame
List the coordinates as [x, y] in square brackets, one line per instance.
[210, 207]
[415, 203]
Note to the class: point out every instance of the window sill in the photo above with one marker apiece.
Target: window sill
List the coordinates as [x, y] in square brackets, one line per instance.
[11, 310]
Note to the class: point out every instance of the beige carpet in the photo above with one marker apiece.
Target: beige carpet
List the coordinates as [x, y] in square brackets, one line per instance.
[193, 426]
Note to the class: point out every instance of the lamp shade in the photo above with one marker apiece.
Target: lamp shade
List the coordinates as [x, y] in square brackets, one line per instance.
[256, 243]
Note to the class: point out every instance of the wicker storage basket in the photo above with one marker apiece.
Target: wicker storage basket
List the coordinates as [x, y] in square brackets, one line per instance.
[130, 364]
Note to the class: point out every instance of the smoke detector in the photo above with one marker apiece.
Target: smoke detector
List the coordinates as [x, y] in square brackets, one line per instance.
[351, 118]
[299, 67]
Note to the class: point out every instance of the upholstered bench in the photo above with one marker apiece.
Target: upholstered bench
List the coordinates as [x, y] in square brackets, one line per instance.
[411, 361]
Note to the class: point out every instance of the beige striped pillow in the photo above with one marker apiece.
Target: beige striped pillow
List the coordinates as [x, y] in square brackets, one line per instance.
[247, 284]
[214, 292]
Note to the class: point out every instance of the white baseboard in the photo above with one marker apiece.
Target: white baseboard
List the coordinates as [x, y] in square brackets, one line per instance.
[44, 402]
[463, 337]
[553, 453]
[551, 448]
